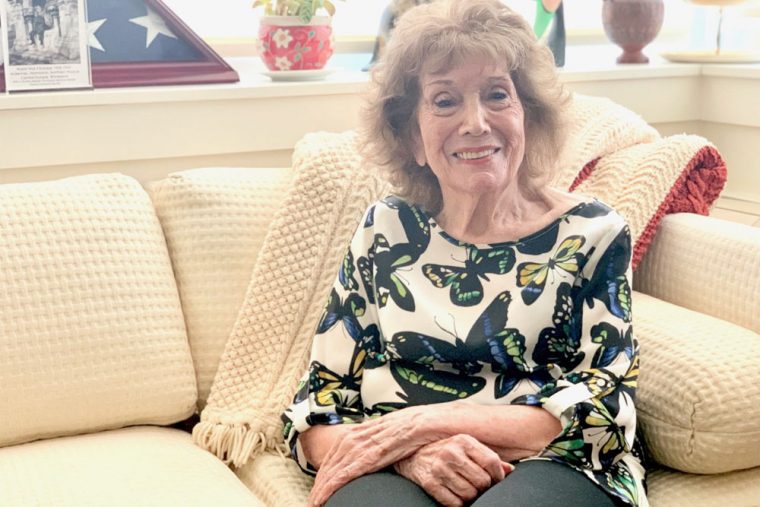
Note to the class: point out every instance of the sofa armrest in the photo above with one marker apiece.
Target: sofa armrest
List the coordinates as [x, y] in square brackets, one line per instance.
[698, 399]
[705, 264]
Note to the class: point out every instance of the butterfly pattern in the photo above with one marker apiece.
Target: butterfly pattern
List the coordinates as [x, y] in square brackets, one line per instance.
[532, 276]
[465, 281]
[417, 317]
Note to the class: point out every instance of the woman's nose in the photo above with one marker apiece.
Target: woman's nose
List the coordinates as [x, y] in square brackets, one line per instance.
[474, 121]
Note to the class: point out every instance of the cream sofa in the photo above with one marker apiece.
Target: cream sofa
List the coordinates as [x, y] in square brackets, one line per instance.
[116, 302]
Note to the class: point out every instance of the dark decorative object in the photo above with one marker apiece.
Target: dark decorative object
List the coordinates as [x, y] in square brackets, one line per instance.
[546, 12]
[632, 24]
[557, 37]
[142, 42]
[387, 21]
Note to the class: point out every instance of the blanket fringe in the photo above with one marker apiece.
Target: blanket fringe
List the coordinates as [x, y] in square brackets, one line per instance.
[234, 444]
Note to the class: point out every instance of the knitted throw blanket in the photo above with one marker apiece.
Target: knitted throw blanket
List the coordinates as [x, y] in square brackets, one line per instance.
[611, 154]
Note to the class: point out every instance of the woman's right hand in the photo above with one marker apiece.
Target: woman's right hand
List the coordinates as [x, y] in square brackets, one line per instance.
[455, 470]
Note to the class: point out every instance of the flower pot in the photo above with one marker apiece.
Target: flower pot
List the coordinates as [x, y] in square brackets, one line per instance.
[632, 24]
[286, 43]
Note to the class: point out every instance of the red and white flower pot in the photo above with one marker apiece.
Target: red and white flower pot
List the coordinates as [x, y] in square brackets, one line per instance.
[286, 43]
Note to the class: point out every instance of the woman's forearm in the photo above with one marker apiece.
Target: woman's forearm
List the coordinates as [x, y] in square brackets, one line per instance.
[513, 431]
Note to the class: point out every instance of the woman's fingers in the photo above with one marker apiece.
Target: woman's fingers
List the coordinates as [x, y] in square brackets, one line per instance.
[445, 496]
[484, 466]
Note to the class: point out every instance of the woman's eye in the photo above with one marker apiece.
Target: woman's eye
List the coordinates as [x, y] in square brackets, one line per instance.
[499, 95]
[443, 102]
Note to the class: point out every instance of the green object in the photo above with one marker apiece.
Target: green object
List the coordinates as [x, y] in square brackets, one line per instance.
[543, 19]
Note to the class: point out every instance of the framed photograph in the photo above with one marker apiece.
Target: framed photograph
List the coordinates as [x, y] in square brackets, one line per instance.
[45, 44]
[143, 43]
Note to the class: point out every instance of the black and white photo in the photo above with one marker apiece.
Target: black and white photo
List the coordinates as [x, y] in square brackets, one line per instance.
[45, 43]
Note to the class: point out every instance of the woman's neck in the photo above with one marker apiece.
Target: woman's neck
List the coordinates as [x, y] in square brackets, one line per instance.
[493, 218]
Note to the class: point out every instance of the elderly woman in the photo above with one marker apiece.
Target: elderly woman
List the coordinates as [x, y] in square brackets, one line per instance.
[477, 345]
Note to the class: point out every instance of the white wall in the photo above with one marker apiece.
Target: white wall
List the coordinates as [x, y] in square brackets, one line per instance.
[149, 132]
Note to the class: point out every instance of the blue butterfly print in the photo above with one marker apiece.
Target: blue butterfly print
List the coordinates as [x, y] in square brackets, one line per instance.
[466, 287]
[560, 343]
[612, 342]
[611, 274]
[346, 273]
[591, 209]
[347, 312]
[369, 221]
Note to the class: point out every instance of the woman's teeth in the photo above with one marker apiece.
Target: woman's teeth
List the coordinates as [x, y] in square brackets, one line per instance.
[471, 155]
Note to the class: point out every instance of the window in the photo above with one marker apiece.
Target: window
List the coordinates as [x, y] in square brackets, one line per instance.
[231, 22]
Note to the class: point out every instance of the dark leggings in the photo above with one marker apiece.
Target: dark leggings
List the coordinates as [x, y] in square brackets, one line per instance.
[536, 483]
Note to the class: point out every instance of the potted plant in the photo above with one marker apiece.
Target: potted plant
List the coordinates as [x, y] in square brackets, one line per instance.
[293, 35]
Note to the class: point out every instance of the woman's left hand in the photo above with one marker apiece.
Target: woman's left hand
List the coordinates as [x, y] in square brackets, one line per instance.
[372, 446]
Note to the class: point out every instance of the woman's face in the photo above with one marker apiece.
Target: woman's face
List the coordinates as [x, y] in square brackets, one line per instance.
[471, 128]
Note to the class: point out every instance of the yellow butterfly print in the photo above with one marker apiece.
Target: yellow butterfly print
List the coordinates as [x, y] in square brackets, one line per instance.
[328, 385]
[532, 276]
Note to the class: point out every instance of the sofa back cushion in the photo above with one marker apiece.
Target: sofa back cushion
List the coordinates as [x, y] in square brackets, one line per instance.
[215, 220]
[92, 335]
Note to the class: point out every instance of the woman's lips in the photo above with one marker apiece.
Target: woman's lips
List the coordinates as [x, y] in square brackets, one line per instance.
[475, 154]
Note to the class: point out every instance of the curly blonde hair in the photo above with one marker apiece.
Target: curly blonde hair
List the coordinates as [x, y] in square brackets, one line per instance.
[435, 37]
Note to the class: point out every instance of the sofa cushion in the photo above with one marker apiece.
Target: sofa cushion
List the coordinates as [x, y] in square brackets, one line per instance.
[668, 488]
[698, 399]
[215, 220]
[91, 329]
[128, 467]
[691, 252]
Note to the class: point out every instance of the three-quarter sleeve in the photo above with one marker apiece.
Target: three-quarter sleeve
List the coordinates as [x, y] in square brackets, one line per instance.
[329, 391]
[594, 397]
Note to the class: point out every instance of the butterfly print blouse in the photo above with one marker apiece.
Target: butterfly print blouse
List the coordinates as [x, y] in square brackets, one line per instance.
[418, 317]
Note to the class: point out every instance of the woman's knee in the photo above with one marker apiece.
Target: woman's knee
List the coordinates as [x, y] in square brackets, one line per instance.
[543, 483]
[381, 489]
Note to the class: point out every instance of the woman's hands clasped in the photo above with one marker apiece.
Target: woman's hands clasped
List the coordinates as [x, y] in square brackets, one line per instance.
[452, 469]
[455, 470]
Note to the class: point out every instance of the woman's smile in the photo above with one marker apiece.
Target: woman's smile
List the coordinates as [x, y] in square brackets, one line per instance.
[476, 154]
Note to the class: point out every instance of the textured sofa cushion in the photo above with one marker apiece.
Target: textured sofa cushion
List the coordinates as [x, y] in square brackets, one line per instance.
[668, 488]
[91, 329]
[140, 466]
[215, 221]
[699, 398]
[691, 252]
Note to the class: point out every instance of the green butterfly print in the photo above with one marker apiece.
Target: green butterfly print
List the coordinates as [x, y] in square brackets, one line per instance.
[620, 479]
[466, 287]
[570, 450]
[488, 342]
[379, 270]
[599, 422]
[560, 344]
[346, 273]
[422, 385]
[532, 276]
